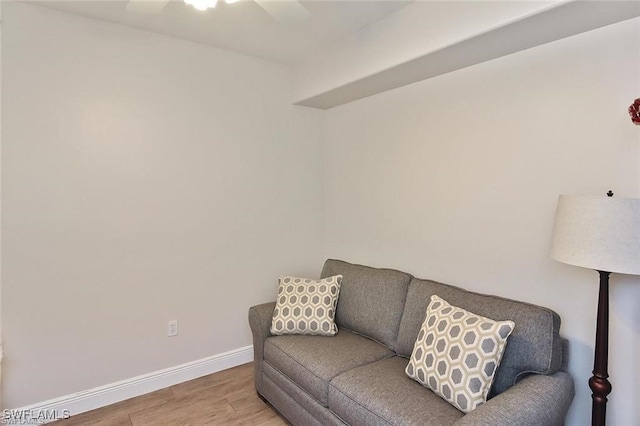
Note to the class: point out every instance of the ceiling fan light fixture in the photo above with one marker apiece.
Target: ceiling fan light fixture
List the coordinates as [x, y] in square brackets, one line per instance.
[202, 4]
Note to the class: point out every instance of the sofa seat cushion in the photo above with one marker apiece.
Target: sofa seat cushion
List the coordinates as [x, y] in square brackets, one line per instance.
[381, 394]
[312, 361]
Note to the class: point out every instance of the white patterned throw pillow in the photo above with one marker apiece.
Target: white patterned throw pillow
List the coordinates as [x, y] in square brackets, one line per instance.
[457, 353]
[306, 306]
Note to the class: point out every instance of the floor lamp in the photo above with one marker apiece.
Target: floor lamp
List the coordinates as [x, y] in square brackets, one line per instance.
[601, 233]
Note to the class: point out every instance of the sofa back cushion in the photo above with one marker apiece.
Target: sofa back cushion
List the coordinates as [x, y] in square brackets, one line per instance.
[533, 347]
[371, 300]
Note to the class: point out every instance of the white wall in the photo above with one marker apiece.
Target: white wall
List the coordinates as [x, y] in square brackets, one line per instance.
[144, 179]
[456, 179]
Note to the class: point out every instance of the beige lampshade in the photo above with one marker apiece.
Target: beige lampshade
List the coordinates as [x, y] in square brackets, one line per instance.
[598, 232]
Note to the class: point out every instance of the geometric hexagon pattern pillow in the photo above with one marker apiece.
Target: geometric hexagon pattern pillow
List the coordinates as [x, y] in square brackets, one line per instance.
[457, 354]
[306, 306]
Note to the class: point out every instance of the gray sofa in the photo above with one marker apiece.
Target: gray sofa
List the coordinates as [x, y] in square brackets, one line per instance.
[357, 377]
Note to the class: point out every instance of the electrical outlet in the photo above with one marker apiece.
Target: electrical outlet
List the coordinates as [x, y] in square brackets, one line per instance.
[172, 328]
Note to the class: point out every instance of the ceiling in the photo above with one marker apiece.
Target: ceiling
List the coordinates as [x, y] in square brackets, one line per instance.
[244, 27]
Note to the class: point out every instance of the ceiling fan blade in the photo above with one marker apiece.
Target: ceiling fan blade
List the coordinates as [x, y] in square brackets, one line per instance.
[285, 11]
[146, 6]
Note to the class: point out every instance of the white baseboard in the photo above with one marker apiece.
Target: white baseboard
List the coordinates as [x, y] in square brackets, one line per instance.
[91, 399]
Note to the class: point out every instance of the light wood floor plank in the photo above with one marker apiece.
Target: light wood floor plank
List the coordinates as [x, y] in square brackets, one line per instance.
[224, 398]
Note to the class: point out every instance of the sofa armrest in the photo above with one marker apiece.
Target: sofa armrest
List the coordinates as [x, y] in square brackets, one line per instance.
[533, 401]
[260, 323]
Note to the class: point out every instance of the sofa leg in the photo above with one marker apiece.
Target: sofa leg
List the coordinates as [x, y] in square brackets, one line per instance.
[263, 399]
[273, 408]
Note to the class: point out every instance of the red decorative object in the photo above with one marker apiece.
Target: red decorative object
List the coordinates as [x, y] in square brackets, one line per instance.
[634, 111]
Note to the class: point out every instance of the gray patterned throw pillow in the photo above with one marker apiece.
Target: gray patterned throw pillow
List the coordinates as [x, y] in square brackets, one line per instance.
[457, 354]
[306, 306]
